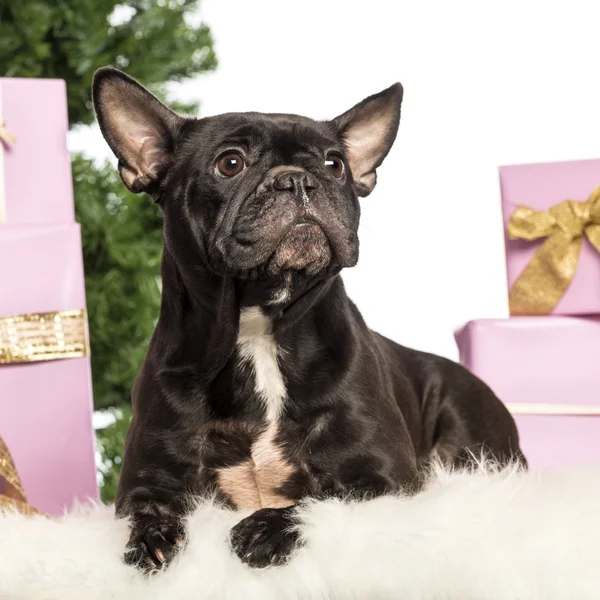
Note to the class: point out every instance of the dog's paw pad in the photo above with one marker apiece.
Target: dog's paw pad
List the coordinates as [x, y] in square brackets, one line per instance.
[154, 543]
[264, 538]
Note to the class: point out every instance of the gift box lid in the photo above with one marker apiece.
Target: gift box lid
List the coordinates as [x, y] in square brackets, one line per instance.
[35, 169]
[542, 185]
[545, 360]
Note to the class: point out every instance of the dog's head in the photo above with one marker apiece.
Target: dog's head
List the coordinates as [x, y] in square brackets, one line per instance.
[249, 194]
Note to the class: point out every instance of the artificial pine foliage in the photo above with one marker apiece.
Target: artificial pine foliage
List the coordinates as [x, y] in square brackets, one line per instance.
[157, 42]
[122, 248]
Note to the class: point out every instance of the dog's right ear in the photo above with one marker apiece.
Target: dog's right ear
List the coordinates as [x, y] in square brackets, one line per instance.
[140, 130]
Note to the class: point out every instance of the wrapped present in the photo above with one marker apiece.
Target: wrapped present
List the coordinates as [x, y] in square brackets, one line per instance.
[35, 170]
[546, 371]
[552, 224]
[45, 372]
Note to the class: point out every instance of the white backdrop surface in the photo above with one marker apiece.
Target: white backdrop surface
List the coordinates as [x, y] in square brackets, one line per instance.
[486, 83]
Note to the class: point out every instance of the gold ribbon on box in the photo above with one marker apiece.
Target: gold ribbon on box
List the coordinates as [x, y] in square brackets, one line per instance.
[8, 138]
[547, 409]
[43, 336]
[5, 135]
[548, 274]
[12, 495]
[33, 338]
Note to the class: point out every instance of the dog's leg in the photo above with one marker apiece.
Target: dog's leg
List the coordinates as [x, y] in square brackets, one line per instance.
[267, 537]
[157, 528]
[157, 480]
[479, 429]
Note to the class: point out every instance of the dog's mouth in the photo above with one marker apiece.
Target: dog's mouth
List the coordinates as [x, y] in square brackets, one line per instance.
[305, 224]
[305, 247]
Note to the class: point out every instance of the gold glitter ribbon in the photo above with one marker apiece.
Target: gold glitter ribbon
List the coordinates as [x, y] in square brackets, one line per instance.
[43, 336]
[548, 274]
[5, 135]
[12, 496]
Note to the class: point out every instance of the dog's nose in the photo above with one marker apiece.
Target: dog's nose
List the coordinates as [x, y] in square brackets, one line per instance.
[294, 181]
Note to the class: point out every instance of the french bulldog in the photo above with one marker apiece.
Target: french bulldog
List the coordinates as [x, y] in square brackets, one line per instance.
[262, 384]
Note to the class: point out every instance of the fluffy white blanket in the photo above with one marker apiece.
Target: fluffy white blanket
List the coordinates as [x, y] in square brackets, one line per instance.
[468, 536]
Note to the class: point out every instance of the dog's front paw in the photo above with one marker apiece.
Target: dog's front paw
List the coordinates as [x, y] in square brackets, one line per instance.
[266, 537]
[154, 542]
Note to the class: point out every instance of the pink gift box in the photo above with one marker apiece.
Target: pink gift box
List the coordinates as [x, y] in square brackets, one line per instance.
[541, 186]
[546, 371]
[46, 407]
[35, 171]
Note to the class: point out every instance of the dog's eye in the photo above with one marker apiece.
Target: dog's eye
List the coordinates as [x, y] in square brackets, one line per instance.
[335, 164]
[230, 164]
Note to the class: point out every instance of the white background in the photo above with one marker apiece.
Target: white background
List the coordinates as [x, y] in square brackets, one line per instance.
[486, 83]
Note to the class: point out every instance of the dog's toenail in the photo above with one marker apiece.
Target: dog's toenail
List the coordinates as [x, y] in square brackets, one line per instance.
[160, 555]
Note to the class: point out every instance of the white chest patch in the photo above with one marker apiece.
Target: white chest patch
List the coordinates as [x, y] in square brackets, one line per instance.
[257, 347]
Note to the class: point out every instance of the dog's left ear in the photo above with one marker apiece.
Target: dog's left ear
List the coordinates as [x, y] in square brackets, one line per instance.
[369, 130]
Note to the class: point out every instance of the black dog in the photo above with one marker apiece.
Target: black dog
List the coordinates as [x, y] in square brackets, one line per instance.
[262, 383]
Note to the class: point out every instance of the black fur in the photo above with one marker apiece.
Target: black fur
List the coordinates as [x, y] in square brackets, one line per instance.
[362, 414]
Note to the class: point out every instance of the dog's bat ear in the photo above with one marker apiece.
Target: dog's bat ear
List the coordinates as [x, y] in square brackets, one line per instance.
[369, 130]
[140, 130]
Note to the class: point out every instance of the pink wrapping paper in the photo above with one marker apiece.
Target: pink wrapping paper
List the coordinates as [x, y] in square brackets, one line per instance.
[35, 171]
[46, 407]
[540, 186]
[542, 365]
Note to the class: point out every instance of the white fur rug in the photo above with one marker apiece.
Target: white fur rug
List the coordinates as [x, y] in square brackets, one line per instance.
[479, 536]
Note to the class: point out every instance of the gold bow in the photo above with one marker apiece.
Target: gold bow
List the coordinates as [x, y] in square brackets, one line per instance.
[44, 336]
[12, 495]
[5, 135]
[548, 274]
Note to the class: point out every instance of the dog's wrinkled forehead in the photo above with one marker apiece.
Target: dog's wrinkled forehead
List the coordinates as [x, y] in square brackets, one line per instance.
[279, 137]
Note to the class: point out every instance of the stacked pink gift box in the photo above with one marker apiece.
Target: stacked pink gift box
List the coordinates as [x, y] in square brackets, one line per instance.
[45, 376]
[544, 361]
